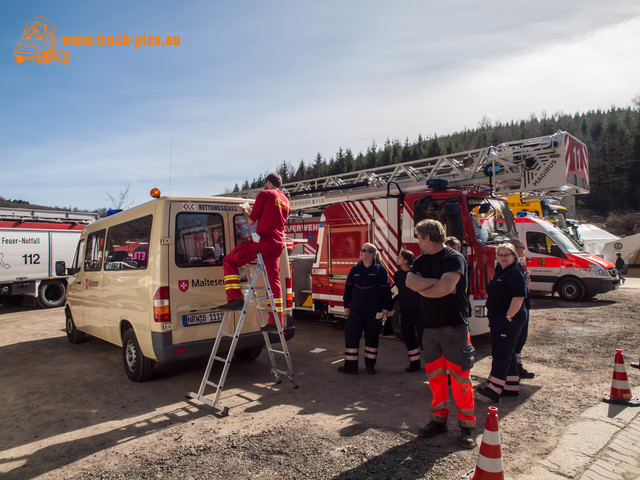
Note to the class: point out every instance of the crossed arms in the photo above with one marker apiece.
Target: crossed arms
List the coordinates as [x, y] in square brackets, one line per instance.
[433, 287]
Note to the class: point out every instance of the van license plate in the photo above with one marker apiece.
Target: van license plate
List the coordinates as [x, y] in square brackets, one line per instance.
[200, 318]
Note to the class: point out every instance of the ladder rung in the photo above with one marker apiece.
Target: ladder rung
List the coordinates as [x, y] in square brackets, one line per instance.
[226, 334]
[220, 359]
[211, 384]
[277, 351]
[264, 309]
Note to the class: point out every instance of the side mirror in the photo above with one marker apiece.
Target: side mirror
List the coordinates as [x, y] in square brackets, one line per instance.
[60, 269]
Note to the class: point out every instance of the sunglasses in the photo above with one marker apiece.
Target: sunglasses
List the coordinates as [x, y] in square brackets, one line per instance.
[364, 250]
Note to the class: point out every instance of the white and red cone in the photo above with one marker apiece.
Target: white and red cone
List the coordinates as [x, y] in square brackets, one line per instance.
[489, 465]
[620, 388]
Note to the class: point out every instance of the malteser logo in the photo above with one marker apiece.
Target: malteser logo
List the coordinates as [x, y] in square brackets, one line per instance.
[183, 285]
[38, 43]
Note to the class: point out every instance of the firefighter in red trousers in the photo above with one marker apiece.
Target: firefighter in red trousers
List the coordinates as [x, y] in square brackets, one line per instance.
[440, 276]
[270, 211]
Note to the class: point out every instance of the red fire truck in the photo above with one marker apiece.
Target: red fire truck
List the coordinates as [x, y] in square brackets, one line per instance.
[465, 191]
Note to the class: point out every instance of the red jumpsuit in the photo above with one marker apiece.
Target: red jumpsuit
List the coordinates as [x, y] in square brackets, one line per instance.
[270, 211]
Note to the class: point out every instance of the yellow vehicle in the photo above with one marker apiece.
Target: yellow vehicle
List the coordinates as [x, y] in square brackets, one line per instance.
[149, 279]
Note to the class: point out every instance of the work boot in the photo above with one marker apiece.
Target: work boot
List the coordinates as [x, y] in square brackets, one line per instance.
[232, 305]
[466, 438]
[371, 371]
[486, 395]
[432, 429]
[524, 373]
[351, 371]
[413, 367]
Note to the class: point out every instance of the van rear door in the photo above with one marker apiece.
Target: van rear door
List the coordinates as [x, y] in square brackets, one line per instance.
[196, 279]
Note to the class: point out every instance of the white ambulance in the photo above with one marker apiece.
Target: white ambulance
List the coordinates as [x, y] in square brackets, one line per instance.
[556, 264]
[149, 279]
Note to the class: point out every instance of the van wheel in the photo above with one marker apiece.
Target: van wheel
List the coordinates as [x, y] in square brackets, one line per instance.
[248, 354]
[136, 365]
[73, 334]
[51, 294]
[396, 321]
[571, 289]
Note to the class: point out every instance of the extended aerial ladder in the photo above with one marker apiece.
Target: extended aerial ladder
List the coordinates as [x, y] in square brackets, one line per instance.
[551, 165]
[225, 359]
[22, 215]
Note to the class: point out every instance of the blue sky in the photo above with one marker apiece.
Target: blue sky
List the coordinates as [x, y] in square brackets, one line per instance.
[255, 83]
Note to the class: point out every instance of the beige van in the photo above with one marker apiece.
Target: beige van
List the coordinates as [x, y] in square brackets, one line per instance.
[149, 279]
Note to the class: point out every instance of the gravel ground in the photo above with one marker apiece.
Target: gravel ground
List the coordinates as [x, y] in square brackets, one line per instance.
[70, 412]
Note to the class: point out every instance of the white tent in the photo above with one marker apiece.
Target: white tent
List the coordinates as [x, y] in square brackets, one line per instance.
[629, 247]
[595, 238]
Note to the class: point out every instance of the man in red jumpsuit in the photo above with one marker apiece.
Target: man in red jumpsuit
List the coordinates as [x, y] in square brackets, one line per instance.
[270, 211]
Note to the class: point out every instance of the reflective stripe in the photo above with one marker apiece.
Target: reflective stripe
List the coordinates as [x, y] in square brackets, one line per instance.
[458, 378]
[436, 372]
[351, 357]
[496, 381]
[351, 350]
[231, 277]
[235, 286]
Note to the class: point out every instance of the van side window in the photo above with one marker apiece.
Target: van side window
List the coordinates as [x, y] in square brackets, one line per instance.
[94, 251]
[77, 257]
[538, 242]
[199, 239]
[242, 230]
[128, 245]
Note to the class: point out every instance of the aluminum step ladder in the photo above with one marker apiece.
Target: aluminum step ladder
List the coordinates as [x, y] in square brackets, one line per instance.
[262, 311]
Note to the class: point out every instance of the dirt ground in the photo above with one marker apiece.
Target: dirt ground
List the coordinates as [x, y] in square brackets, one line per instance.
[69, 411]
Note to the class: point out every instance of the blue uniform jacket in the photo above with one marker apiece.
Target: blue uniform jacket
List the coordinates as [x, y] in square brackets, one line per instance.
[367, 289]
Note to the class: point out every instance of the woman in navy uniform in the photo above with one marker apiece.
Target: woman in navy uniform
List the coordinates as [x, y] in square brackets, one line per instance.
[507, 314]
[367, 294]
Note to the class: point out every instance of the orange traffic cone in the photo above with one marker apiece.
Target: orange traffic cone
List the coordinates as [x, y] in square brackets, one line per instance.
[620, 389]
[489, 466]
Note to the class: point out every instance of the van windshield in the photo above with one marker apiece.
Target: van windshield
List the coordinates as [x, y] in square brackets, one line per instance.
[561, 239]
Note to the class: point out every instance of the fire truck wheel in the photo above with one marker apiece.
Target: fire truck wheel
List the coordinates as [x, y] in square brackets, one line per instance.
[73, 334]
[138, 367]
[396, 321]
[571, 289]
[247, 354]
[51, 294]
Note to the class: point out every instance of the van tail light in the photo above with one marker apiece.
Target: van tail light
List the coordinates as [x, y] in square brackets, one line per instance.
[287, 284]
[161, 310]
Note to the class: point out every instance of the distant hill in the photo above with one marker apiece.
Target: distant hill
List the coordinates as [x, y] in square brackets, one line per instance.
[8, 203]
